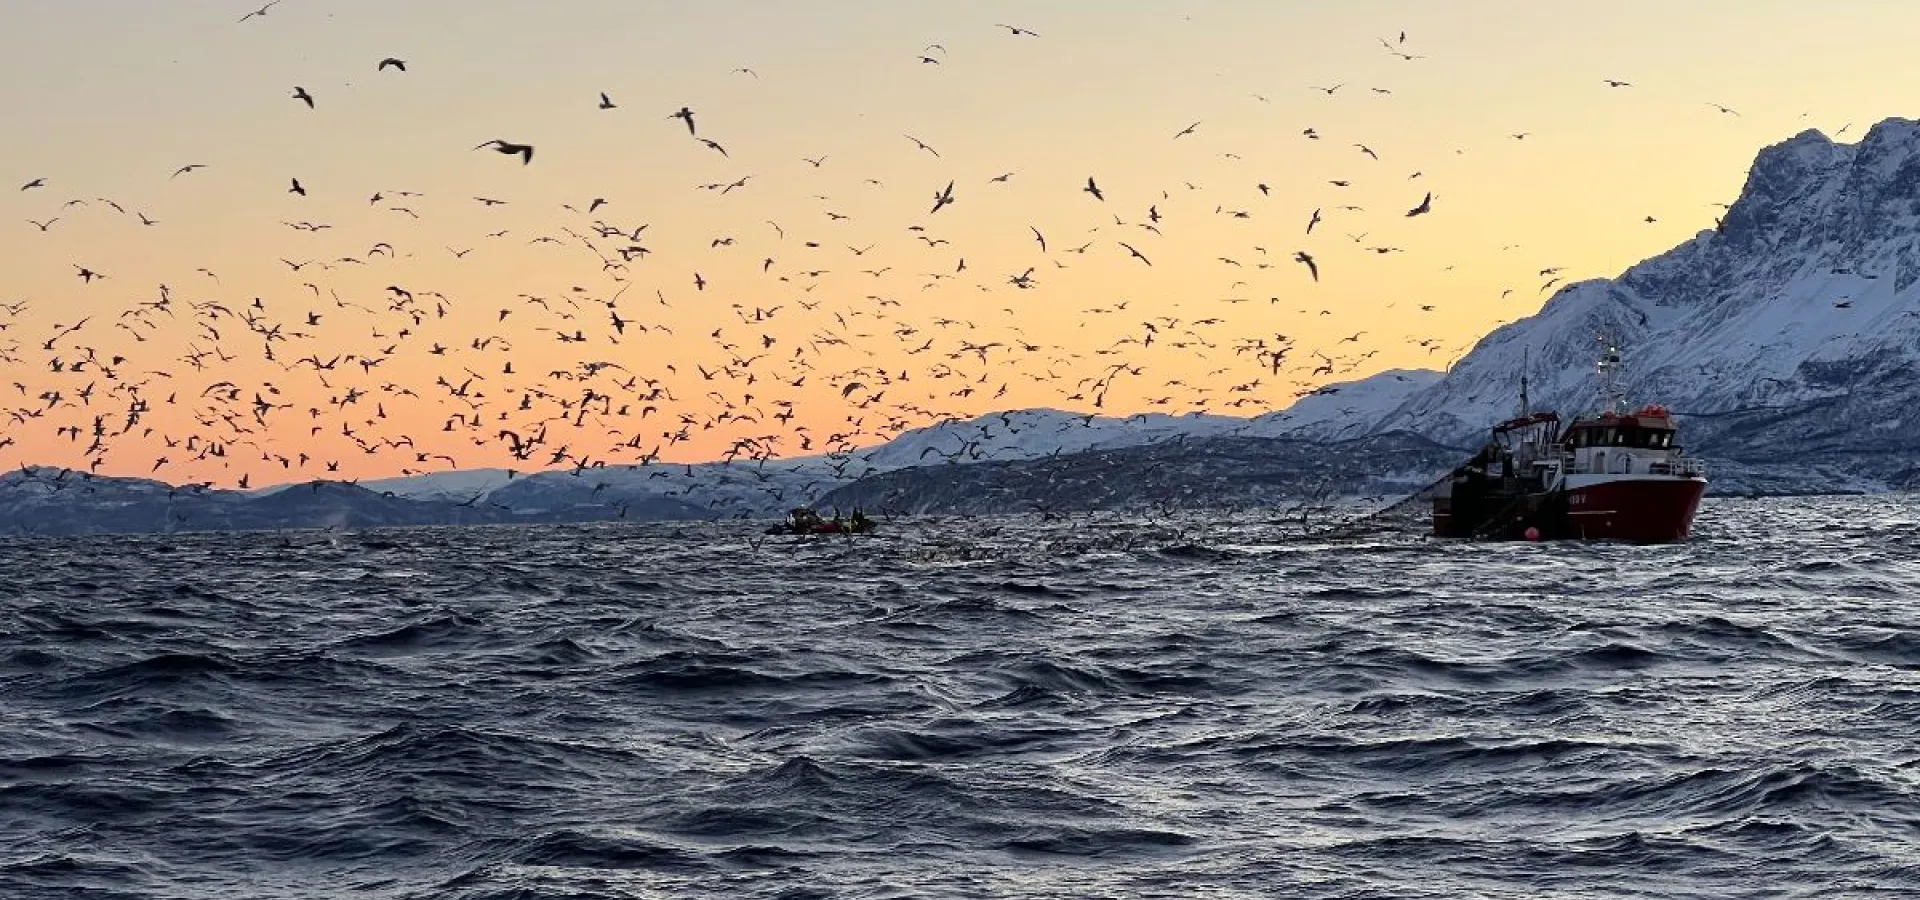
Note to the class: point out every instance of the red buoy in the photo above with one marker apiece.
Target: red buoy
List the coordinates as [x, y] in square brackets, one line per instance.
[1533, 534]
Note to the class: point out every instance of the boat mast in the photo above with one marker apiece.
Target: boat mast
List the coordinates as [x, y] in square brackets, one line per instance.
[1612, 400]
[1526, 408]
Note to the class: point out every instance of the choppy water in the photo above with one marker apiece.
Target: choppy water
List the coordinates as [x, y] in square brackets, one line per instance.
[1019, 709]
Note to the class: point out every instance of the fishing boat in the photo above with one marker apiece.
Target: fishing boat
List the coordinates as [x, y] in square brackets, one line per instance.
[806, 521]
[1616, 474]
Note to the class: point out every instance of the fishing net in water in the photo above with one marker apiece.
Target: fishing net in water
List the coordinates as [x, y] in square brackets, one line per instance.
[1408, 514]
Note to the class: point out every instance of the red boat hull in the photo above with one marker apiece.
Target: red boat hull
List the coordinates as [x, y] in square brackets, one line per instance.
[1643, 511]
[1648, 511]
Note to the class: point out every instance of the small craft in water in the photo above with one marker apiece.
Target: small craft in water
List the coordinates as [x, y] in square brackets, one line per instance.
[806, 521]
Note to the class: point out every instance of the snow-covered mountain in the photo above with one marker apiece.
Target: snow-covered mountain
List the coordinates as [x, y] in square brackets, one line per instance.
[1792, 327]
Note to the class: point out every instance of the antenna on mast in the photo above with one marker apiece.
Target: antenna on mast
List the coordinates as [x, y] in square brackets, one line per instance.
[1611, 398]
[1526, 408]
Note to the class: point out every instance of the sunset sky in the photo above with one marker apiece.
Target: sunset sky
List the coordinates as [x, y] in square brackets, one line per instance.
[106, 100]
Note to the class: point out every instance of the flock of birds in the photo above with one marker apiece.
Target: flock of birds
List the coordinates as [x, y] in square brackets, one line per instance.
[807, 359]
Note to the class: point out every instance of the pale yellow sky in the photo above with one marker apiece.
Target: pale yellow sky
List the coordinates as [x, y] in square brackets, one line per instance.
[114, 96]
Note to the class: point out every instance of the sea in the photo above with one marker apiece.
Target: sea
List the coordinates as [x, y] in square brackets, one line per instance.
[1106, 707]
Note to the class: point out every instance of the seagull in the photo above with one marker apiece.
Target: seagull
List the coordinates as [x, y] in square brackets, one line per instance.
[1312, 269]
[300, 93]
[509, 148]
[1313, 221]
[606, 103]
[1723, 109]
[261, 11]
[400, 64]
[1619, 84]
[942, 198]
[922, 145]
[297, 189]
[1426, 206]
[185, 169]
[1017, 31]
[1136, 254]
[686, 114]
[37, 182]
[1186, 131]
[1094, 189]
[43, 226]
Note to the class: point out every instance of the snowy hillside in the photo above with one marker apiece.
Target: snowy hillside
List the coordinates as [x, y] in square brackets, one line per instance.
[1028, 433]
[1341, 411]
[458, 485]
[1804, 305]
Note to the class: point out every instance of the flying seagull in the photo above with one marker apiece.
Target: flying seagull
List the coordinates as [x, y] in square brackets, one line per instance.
[509, 148]
[261, 11]
[942, 198]
[686, 114]
[400, 64]
[922, 145]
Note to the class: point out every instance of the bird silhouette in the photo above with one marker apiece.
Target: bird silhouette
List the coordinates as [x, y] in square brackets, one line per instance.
[685, 115]
[942, 198]
[525, 151]
[261, 11]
